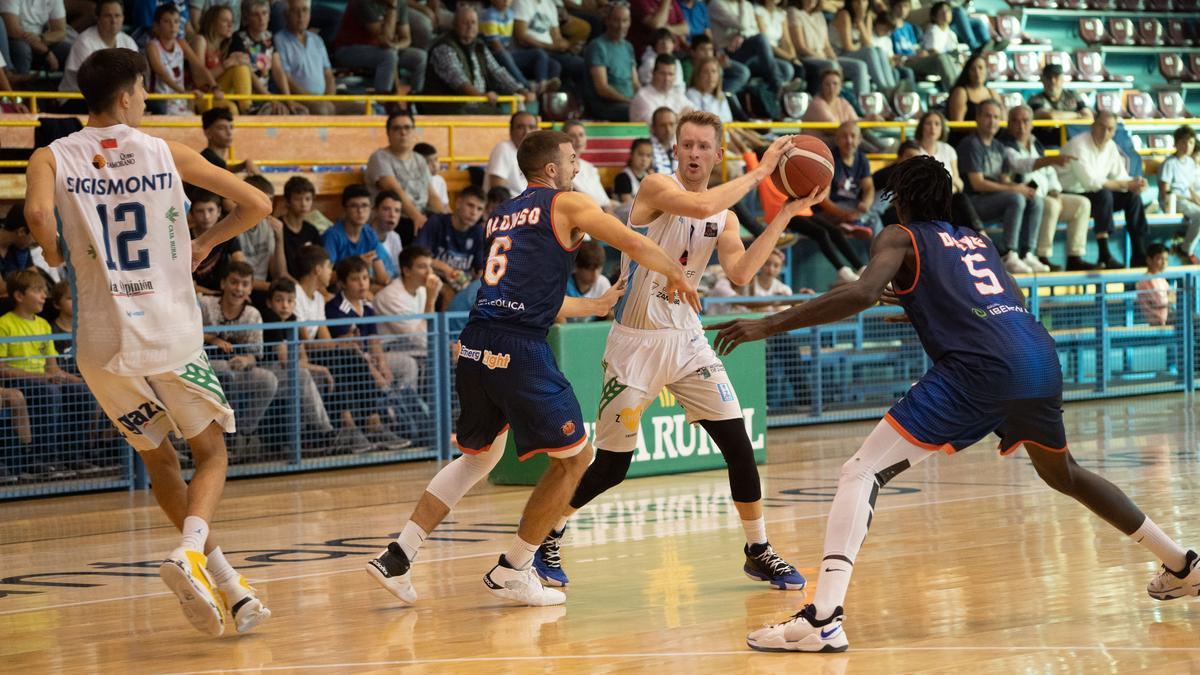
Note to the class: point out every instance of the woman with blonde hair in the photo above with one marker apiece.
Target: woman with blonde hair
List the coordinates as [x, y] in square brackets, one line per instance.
[704, 91]
[230, 69]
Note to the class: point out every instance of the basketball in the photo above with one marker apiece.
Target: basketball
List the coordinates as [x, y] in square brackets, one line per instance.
[807, 165]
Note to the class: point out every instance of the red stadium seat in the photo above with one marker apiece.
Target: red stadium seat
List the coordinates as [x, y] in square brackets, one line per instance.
[1012, 99]
[1149, 32]
[1131, 5]
[1091, 30]
[1008, 27]
[1102, 5]
[873, 104]
[1177, 33]
[1193, 63]
[1121, 31]
[907, 105]
[1171, 66]
[1108, 100]
[1062, 60]
[795, 104]
[1170, 104]
[937, 100]
[1139, 105]
[560, 106]
[1161, 142]
[997, 66]
[1028, 66]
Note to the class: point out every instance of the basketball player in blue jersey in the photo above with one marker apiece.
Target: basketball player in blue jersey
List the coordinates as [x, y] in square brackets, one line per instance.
[115, 195]
[506, 376]
[994, 370]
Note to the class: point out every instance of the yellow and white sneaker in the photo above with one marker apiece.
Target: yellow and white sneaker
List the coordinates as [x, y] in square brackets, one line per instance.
[246, 608]
[183, 572]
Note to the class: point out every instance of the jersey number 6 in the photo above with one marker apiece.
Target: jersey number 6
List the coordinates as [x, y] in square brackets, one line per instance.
[497, 262]
[990, 284]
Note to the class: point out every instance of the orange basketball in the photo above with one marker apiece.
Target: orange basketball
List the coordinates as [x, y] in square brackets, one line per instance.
[806, 166]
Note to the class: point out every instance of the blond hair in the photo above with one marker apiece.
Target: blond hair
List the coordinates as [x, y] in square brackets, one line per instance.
[702, 119]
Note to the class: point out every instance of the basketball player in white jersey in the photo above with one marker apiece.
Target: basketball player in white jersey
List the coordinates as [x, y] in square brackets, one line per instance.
[657, 343]
[124, 237]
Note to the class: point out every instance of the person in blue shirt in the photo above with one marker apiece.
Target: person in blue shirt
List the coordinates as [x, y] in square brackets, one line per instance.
[457, 242]
[352, 236]
[15, 244]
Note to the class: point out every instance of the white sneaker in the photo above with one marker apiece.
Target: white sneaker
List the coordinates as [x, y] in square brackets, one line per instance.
[184, 573]
[521, 586]
[393, 570]
[846, 275]
[802, 633]
[1034, 264]
[1169, 584]
[246, 608]
[1014, 264]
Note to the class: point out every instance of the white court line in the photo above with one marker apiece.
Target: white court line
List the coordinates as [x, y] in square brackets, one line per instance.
[693, 654]
[327, 573]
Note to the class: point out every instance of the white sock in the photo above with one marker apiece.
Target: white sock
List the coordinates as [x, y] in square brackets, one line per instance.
[561, 524]
[519, 555]
[195, 533]
[411, 538]
[1152, 537]
[222, 572]
[756, 530]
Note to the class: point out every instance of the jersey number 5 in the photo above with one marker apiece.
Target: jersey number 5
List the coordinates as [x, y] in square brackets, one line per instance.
[990, 284]
[125, 261]
[497, 262]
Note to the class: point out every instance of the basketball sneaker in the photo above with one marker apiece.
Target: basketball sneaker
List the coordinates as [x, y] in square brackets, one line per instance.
[764, 564]
[1170, 584]
[802, 633]
[183, 572]
[246, 608]
[392, 570]
[522, 586]
[547, 563]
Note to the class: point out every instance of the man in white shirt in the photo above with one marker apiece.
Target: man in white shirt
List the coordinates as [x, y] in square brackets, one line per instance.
[37, 33]
[660, 93]
[413, 292]
[502, 169]
[1098, 172]
[110, 16]
[587, 180]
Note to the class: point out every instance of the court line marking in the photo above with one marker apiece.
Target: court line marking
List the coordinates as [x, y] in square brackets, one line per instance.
[693, 654]
[467, 556]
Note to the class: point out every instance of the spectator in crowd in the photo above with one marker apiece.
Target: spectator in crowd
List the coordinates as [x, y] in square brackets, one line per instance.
[830, 239]
[13, 401]
[303, 58]
[29, 366]
[436, 180]
[734, 75]
[384, 221]
[704, 90]
[853, 35]
[457, 242]
[16, 244]
[495, 197]
[143, 15]
[218, 131]
[852, 191]
[588, 280]
[662, 141]
[375, 34]
[204, 214]
[351, 237]
[298, 193]
[234, 354]
[281, 308]
[256, 42]
[313, 274]
[931, 135]
[199, 7]
[809, 32]
[829, 105]
[650, 18]
[988, 176]
[587, 180]
[415, 291]
[1056, 103]
[169, 58]
[106, 34]
[664, 43]
[912, 52]
[1074, 209]
[974, 32]
[399, 169]
[230, 69]
[772, 20]
[262, 245]
[1097, 171]
[37, 34]
[536, 26]
[660, 93]
[426, 19]
[1179, 188]
[460, 64]
[1155, 298]
[612, 70]
[637, 167]
[735, 30]
[360, 371]
[767, 284]
[939, 38]
[970, 90]
[533, 68]
[502, 169]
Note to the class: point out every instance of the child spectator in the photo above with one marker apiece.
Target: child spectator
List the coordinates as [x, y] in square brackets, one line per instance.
[385, 220]
[169, 57]
[16, 244]
[361, 374]
[664, 43]
[313, 273]
[262, 245]
[413, 292]
[351, 236]
[457, 241]
[205, 212]
[637, 167]
[436, 180]
[298, 193]
[281, 308]
[588, 280]
[1179, 188]
[1155, 297]
[13, 401]
[495, 197]
[250, 387]
[218, 131]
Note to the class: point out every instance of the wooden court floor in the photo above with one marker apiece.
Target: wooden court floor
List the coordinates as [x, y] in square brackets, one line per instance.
[971, 567]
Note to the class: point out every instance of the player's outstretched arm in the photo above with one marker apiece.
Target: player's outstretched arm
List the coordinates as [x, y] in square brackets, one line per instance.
[579, 212]
[573, 308]
[39, 204]
[741, 264]
[888, 253]
[661, 193]
[252, 204]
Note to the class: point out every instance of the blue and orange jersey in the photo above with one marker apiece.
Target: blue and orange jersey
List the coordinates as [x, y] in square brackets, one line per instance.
[525, 276]
[970, 320]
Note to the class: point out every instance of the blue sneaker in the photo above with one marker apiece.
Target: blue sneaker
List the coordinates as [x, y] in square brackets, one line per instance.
[764, 564]
[546, 562]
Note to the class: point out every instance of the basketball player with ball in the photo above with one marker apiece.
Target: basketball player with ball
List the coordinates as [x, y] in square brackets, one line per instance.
[658, 342]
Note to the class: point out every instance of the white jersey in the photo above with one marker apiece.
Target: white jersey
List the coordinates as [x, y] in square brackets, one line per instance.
[693, 240]
[123, 219]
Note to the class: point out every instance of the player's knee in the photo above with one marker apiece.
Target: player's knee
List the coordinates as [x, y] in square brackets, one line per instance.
[576, 464]
[1056, 473]
[608, 471]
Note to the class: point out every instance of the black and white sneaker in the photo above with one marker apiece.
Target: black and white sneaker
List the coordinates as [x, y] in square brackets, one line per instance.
[392, 570]
[764, 564]
[1169, 584]
[802, 633]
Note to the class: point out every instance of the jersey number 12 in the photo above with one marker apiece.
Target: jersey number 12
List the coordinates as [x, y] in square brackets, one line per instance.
[126, 260]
